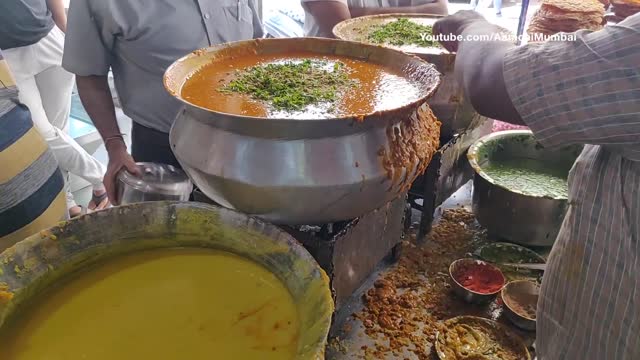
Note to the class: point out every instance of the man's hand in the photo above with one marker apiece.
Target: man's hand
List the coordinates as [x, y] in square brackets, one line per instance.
[454, 25]
[119, 159]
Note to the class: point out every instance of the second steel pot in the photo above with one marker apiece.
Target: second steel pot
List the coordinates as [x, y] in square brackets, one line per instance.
[507, 213]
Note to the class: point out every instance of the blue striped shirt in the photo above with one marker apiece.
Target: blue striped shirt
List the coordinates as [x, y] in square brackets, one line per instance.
[31, 184]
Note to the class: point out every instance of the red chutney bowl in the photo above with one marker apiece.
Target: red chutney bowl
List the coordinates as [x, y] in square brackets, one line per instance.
[476, 281]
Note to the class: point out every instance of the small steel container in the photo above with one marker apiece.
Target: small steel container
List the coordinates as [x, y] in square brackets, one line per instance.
[158, 182]
[519, 287]
[467, 295]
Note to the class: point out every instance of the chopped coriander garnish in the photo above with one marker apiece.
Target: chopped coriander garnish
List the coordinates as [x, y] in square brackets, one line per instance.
[291, 86]
[402, 32]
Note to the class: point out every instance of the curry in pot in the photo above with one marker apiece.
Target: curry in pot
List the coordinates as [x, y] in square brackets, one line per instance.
[298, 86]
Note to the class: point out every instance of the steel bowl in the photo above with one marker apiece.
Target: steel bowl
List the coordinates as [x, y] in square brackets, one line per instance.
[467, 295]
[304, 171]
[520, 320]
[449, 103]
[490, 328]
[510, 214]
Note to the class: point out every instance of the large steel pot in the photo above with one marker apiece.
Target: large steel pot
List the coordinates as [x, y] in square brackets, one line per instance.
[31, 266]
[305, 171]
[449, 103]
[508, 213]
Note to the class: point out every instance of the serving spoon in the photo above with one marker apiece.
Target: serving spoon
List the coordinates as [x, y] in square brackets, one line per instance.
[542, 267]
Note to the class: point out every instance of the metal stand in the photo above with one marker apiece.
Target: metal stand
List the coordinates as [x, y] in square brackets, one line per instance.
[447, 172]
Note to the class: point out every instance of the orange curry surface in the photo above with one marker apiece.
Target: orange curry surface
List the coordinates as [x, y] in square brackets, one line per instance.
[377, 89]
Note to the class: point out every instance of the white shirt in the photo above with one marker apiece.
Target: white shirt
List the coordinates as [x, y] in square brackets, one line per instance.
[312, 29]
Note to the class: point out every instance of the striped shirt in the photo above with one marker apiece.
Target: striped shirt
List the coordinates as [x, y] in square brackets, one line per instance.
[588, 92]
[31, 185]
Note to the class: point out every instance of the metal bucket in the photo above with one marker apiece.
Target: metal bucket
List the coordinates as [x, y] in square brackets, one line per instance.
[31, 266]
[305, 171]
[508, 213]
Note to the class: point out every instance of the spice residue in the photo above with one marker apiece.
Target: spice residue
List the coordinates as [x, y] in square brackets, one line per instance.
[479, 277]
[412, 144]
[5, 294]
[410, 302]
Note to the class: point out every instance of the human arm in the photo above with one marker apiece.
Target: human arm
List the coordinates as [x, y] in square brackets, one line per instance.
[58, 13]
[581, 91]
[327, 14]
[479, 65]
[97, 100]
[88, 54]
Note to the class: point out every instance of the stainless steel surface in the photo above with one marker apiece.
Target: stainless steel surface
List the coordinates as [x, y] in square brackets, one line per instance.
[509, 214]
[292, 171]
[449, 103]
[158, 182]
[527, 266]
[521, 286]
[467, 295]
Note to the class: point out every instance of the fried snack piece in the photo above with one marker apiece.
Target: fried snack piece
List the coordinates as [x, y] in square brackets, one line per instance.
[580, 6]
[556, 16]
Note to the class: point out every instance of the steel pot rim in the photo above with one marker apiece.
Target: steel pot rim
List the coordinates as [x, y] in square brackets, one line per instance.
[472, 157]
[423, 67]
[339, 32]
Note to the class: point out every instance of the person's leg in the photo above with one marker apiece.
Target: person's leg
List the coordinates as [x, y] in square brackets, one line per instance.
[497, 4]
[474, 4]
[56, 86]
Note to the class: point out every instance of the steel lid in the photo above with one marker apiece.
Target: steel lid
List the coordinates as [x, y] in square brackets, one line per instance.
[159, 179]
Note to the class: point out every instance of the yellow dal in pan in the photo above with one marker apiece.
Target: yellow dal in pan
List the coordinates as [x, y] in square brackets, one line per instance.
[160, 304]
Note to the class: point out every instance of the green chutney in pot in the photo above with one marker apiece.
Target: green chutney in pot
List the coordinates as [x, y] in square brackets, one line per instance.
[529, 177]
